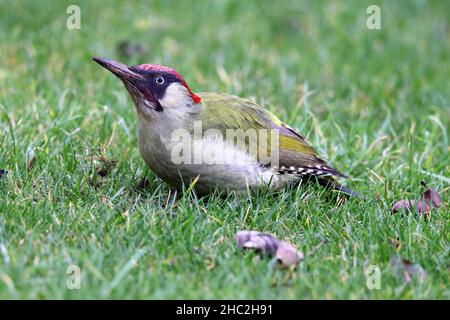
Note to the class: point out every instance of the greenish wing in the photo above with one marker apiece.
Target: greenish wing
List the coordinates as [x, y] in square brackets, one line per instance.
[224, 112]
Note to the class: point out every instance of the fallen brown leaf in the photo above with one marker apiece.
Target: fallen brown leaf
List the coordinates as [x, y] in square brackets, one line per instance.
[209, 263]
[396, 243]
[105, 200]
[106, 166]
[431, 196]
[31, 158]
[409, 205]
[429, 199]
[287, 254]
[267, 244]
[408, 270]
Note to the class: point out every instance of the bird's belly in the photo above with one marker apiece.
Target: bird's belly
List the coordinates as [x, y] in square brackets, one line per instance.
[218, 165]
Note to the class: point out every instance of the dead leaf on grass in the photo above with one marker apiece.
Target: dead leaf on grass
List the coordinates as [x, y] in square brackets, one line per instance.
[429, 199]
[106, 166]
[409, 205]
[408, 270]
[431, 196]
[285, 253]
[31, 158]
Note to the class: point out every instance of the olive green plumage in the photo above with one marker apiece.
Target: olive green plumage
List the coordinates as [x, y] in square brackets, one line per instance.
[296, 155]
[245, 114]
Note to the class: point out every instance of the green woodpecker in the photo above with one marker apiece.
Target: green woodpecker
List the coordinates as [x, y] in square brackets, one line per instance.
[227, 142]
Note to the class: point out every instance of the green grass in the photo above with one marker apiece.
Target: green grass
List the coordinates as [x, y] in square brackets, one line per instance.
[374, 103]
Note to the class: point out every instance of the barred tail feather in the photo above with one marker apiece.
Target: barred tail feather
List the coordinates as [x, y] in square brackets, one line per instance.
[324, 175]
[318, 171]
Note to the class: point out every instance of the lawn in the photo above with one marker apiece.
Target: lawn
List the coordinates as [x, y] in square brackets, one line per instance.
[78, 196]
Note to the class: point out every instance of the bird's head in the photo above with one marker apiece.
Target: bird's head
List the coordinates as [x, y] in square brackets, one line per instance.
[157, 91]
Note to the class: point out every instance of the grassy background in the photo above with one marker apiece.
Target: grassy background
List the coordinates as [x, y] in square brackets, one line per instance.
[376, 103]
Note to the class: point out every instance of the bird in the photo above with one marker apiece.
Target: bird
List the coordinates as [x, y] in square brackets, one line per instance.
[217, 141]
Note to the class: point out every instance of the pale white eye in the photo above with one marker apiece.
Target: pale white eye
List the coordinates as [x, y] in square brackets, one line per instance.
[159, 80]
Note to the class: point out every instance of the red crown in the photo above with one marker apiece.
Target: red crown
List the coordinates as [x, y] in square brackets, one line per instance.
[157, 67]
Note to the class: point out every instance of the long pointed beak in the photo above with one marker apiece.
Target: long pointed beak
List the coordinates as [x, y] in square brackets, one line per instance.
[121, 70]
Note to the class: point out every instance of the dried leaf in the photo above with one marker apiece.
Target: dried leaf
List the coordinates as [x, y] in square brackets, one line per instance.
[409, 205]
[31, 158]
[396, 243]
[408, 270]
[106, 166]
[105, 200]
[267, 244]
[431, 196]
[209, 263]
[403, 205]
[288, 255]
